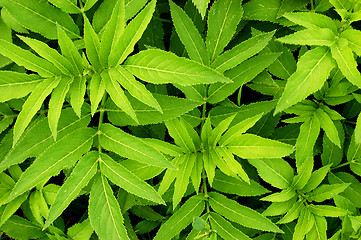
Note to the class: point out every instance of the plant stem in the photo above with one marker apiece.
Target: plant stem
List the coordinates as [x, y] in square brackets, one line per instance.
[341, 165]
[312, 6]
[101, 117]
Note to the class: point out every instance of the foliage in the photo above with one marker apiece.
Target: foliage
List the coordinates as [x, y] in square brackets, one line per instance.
[198, 119]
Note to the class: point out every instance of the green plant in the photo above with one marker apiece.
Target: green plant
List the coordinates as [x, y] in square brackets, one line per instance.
[198, 119]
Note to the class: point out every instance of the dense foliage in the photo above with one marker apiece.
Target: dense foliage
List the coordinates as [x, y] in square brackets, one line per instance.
[198, 119]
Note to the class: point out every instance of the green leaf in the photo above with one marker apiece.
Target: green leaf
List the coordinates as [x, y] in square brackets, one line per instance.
[125, 179]
[64, 153]
[316, 178]
[182, 178]
[92, 45]
[346, 62]
[135, 88]
[29, 230]
[104, 211]
[252, 146]
[341, 4]
[85, 169]
[293, 213]
[38, 137]
[331, 153]
[238, 129]
[41, 17]
[353, 37]
[328, 126]
[77, 92]
[194, 206]
[132, 33]
[126, 145]
[81, 230]
[312, 71]
[217, 132]
[32, 105]
[353, 192]
[304, 224]
[312, 20]
[231, 185]
[282, 196]
[117, 94]
[262, 10]
[149, 65]
[276, 172]
[12, 207]
[223, 19]
[182, 137]
[240, 75]
[327, 210]
[225, 229]
[317, 37]
[68, 6]
[56, 104]
[318, 232]
[16, 85]
[97, 90]
[189, 35]
[70, 52]
[27, 59]
[172, 107]
[290, 6]
[112, 32]
[242, 52]
[326, 191]
[240, 214]
[50, 54]
[202, 6]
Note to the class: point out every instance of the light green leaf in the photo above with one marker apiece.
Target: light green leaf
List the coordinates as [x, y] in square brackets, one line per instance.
[29, 230]
[56, 104]
[117, 94]
[217, 132]
[50, 54]
[225, 229]
[182, 178]
[202, 6]
[318, 232]
[80, 231]
[311, 20]
[293, 213]
[240, 214]
[279, 208]
[149, 65]
[290, 6]
[231, 185]
[172, 107]
[112, 32]
[68, 6]
[77, 92]
[304, 224]
[32, 105]
[327, 191]
[27, 59]
[194, 206]
[12, 207]
[240, 75]
[125, 179]
[104, 211]
[38, 137]
[196, 175]
[223, 19]
[341, 4]
[251, 146]
[238, 129]
[170, 174]
[276, 172]
[97, 90]
[132, 33]
[16, 85]
[353, 37]
[332, 154]
[346, 62]
[164, 147]
[85, 169]
[282, 196]
[70, 52]
[316, 178]
[126, 145]
[317, 37]
[64, 153]
[242, 52]
[89, 4]
[92, 45]
[327, 210]
[135, 88]
[328, 126]
[312, 71]
[41, 17]
[189, 35]
[178, 131]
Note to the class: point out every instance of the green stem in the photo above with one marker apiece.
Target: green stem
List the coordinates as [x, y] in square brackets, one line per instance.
[101, 117]
[312, 6]
[341, 165]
